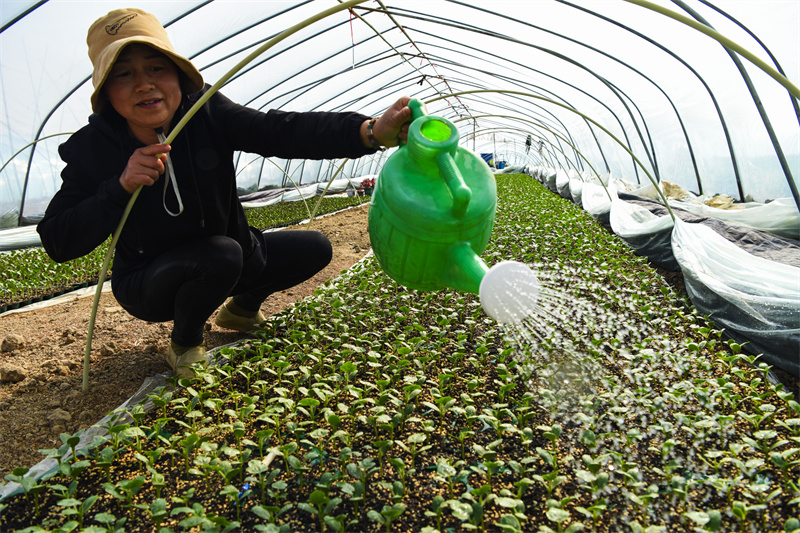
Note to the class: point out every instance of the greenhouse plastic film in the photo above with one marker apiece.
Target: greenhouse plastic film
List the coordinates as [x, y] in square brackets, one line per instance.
[647, 190]
[649, 235]
[758, 243]
[752, 299]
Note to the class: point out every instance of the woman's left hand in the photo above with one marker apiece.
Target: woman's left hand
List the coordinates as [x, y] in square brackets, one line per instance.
[392, 127]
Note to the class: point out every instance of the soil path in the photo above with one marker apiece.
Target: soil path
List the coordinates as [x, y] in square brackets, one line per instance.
[43, 397]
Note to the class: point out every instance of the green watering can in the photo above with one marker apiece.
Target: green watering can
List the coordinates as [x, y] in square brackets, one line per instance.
[432, 209]
[431, 215]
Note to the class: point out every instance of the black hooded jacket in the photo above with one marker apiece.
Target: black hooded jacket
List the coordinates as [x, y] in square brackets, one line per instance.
[91, 201]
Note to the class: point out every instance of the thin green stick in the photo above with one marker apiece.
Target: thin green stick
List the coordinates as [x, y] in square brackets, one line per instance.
[171, 137]
[31, 144]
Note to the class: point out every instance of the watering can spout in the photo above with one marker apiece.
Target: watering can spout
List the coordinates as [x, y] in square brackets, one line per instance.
[465, 269]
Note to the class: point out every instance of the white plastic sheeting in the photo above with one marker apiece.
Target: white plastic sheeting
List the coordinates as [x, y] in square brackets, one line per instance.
[20, 237]
[755, 300]
[647, 234]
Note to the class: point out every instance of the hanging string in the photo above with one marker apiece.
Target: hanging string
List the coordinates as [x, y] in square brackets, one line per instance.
[352, 38]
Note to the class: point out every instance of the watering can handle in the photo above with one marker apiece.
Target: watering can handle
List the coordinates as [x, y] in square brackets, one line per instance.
[461, 193]
[417, 109]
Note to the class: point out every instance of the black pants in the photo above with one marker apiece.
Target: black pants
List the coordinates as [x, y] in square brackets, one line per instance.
[189, 283]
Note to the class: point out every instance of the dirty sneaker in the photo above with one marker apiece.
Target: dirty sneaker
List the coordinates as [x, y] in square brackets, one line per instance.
[181, 359]
[229, 320]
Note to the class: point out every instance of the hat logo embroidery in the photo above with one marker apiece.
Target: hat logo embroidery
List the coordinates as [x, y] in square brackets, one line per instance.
[113, 29]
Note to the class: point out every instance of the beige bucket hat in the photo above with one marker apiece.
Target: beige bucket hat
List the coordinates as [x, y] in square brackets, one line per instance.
[111, 33]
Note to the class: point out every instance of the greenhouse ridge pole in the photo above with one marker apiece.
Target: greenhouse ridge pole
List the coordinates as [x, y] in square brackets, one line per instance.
[22, 15]
[171, 137]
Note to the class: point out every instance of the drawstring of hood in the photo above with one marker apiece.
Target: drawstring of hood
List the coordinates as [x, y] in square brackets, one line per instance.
[170, 178]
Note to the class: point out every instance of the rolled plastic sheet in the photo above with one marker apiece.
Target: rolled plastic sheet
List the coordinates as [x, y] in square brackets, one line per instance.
[549, 181]
[779, 217]
[21, 237]
[292, 194]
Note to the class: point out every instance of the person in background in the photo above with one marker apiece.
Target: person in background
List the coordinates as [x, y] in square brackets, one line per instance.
[186, 247]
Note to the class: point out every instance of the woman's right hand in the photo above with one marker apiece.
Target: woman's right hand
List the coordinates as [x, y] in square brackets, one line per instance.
[144, 167]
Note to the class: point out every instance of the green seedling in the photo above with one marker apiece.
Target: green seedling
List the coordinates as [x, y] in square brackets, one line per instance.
[260, 475]
[441, 405]
[400, 469]
[77, 508]
[270, 514]
[559, 516]
[383, 447]
[355, 493]
[509, 523]
[784, 461]
[592, 482]
[196, 516]
[447, 474]
[277, 490]
[157, 511]
[112, 525]
[764, 441]
[125, 490]
[339, 523]
[387, 515]
[236, 496]
[550, 481]
[437, 506]
[595, 512]
[463, 436]
[363, 471]
[157, 481]
[480, 498]
[709, 521]
[320, 506]
[415, 440]
[30, 486]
